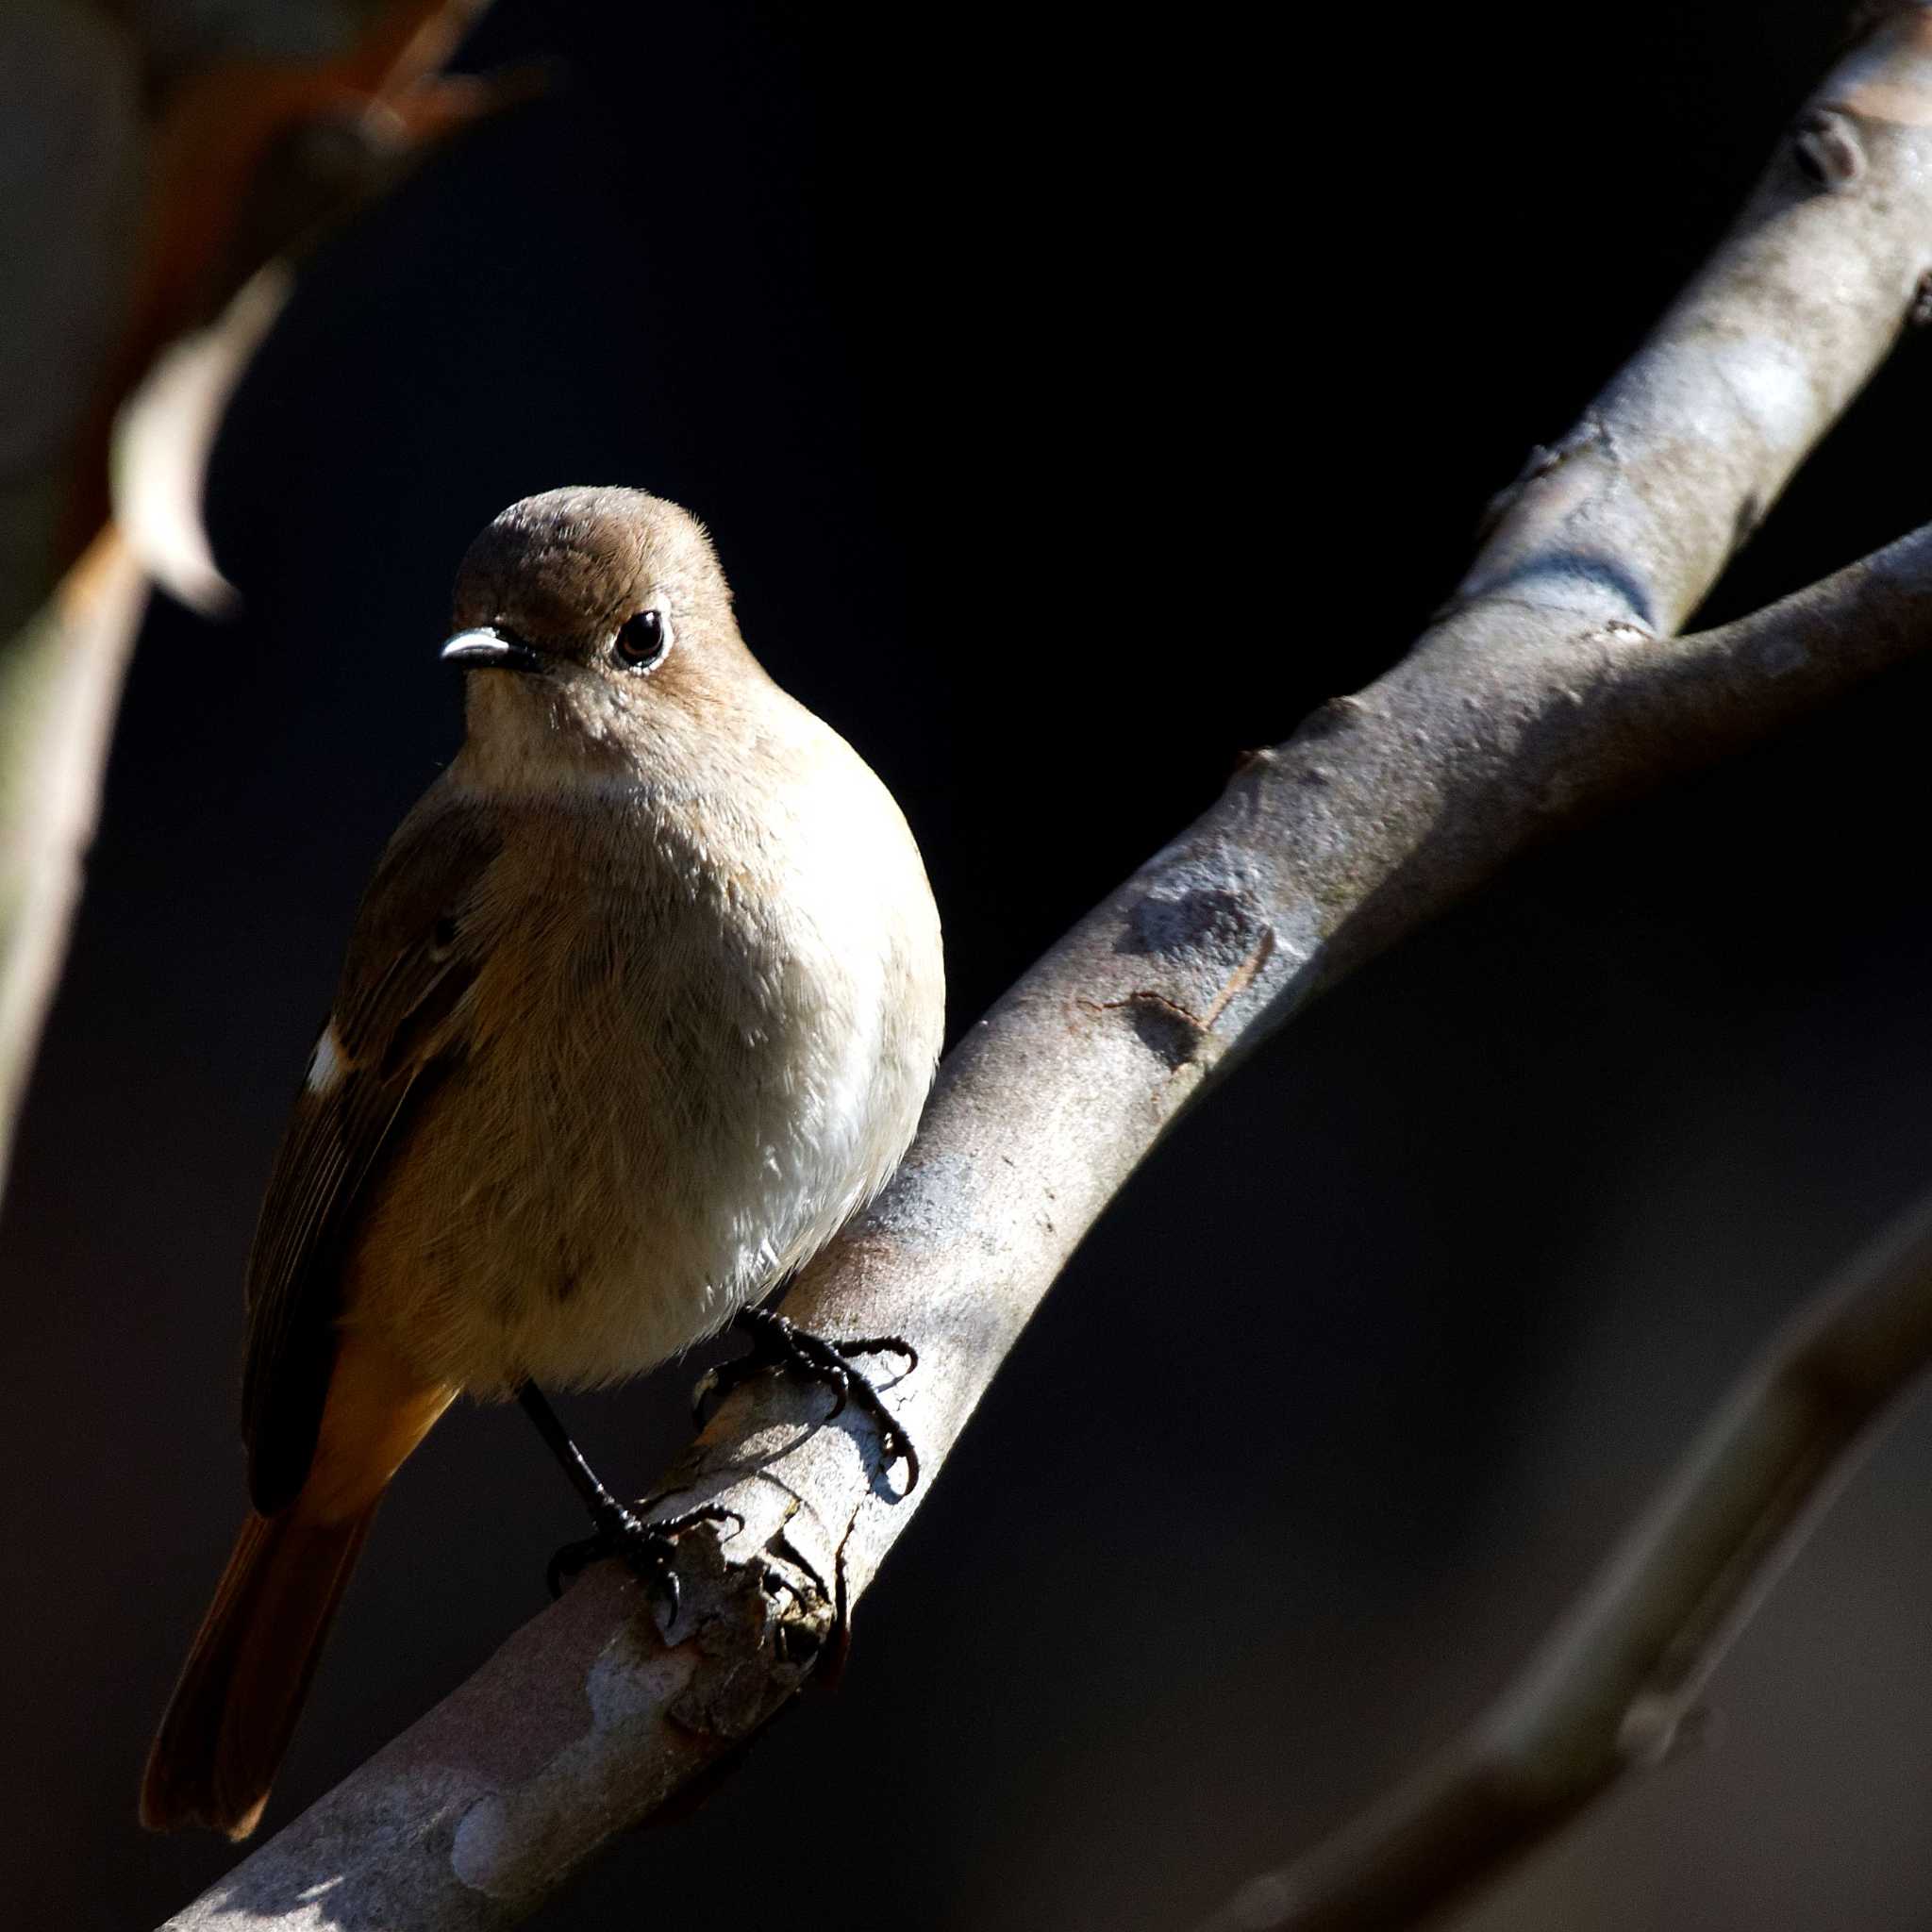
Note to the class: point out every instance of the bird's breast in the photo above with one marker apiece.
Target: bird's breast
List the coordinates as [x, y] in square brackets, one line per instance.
[696, 1045]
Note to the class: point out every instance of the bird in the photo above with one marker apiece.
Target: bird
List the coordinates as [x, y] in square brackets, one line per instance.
[642, 1004]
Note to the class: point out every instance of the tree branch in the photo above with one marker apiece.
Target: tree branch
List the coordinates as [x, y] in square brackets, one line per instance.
[236, 193]
[1612, 1689]
[1547, 690]
[60, 680]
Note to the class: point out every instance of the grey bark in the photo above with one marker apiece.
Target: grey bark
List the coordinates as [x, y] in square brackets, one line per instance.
[1550, 687]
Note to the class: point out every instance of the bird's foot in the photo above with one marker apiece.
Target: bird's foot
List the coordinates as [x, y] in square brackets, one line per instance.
[648, 1549]
[782, 1345]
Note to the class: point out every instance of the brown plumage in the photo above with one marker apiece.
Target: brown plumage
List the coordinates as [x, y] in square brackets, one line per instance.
[642, 1003]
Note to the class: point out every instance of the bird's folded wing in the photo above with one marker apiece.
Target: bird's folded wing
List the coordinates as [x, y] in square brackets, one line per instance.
[396, 1030]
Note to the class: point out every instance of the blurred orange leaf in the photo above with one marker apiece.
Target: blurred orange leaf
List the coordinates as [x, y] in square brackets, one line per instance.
[216, 213]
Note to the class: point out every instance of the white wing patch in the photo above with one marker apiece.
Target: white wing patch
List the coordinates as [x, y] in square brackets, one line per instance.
[326, 1065]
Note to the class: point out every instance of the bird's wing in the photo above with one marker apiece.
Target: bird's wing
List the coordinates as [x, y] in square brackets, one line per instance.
[393, 1034]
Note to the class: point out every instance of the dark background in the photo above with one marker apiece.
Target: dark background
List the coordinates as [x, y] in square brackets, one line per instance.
[1076, 399]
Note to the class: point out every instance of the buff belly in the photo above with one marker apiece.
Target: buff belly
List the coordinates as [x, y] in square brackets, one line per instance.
[627, 1186]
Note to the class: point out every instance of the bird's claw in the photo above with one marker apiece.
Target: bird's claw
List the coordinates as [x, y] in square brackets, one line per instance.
[647, 1548]
[782, 1345]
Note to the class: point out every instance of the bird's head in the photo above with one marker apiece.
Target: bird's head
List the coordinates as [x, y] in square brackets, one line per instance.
[594, 620]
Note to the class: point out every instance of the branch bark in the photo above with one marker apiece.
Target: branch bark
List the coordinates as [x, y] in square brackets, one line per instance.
[1550, 687]
[1613, 1687]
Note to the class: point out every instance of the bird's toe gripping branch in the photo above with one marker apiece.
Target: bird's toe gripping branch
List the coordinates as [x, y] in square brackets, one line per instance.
[783, 1345]
[647, 1548]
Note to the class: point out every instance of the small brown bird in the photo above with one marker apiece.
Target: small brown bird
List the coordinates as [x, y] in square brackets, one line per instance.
[642, 1005]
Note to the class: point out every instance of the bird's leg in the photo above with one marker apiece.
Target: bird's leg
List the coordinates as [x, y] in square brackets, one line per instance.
[779, 1344]
[649, 1548]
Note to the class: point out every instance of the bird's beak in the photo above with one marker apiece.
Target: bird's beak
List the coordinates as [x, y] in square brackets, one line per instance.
[489, 650]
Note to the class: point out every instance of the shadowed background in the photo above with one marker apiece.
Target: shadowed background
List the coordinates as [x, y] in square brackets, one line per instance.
[1072, 408]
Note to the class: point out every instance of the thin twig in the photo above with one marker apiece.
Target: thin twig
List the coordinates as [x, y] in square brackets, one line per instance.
[1549, 688]
[1614, 1684]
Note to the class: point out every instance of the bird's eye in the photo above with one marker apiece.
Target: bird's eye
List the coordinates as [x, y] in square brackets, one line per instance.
[642, 640]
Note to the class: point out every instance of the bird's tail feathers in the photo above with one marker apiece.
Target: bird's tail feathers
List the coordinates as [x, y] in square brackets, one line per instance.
[230, 1718]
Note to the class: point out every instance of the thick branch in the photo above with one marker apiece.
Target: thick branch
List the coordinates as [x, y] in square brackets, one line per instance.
[1549, 689]
[1610, 1689]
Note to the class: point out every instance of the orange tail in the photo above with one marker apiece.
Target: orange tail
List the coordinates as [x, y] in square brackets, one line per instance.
[233, 1711]
[254, 1654]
